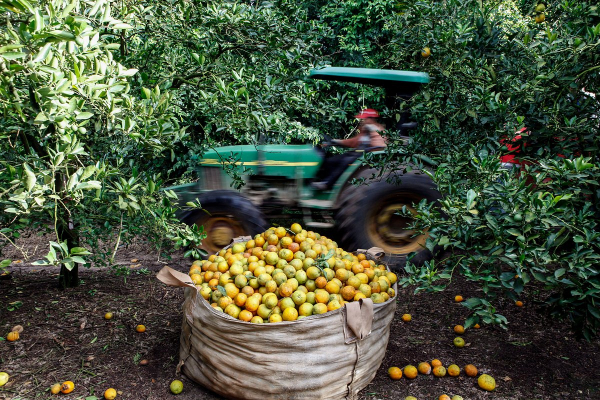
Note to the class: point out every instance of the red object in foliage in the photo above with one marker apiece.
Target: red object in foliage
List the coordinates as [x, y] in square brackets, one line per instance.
[513, 148]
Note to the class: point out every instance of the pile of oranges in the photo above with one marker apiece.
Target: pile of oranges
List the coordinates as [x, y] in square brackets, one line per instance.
[436, 368]
[288, 274]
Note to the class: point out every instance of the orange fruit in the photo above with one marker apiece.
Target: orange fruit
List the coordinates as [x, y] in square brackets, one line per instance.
[67, 387]
[453, 370]
[395, 373]
[232, 310]
[290, 314]
[294, 247]
[410, 372]
[286, 290]
[55, 389]
[296, 228]
[486, 382]
[439, 371]
[444, 397]
[458, 298]
[12, 336]
[459, 329]
[110, 394]
[424, 368]
[176, 386]
[313, 273]
[321, 296]
[333, 305]
[348, 292]
[541, 17]
[426, 52]
[406, 318]
[109, 315]
[273, 318]
[240, 299]
[332, 287]
[248, 290]
[459, 342]
[519, 303]
[470, 370]
[231, 289]
[245, 315]
[357, 268]
[224, 301]
[375, 287]
[436, 363]
[476, 326]
[214, 282]
[319, 308]
[140, 328]
[320, 282]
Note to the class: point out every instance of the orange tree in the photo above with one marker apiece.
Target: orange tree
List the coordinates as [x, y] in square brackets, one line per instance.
[497, 67]
[73, 133]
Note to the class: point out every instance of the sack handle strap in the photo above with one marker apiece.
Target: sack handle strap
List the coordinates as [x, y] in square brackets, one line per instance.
[359, 317]
[374, 252]
[175, 278]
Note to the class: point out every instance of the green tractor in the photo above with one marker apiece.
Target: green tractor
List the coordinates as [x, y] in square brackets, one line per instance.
[277, 181]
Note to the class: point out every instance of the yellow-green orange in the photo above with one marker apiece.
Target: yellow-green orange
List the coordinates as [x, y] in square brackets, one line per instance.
[486, 382]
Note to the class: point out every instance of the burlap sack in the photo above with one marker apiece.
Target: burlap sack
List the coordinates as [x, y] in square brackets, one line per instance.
[327, 356]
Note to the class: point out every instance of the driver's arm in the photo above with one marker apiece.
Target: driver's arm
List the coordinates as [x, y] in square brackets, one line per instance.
[350, 142]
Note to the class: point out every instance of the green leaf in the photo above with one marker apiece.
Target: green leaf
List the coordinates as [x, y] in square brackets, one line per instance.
[472, 303]
[13, 55]
[78, 260]
[10, 47]
[43, 53]
[470, 321]
[594, 311]
[84, 115]
[129, 72]
[62, 34]
[30, 178]
[89, 185]
[41, 117]
[146, 93]
[88, 171]
[25, 4]
[471, 195]
[82, 251]
[121, 26]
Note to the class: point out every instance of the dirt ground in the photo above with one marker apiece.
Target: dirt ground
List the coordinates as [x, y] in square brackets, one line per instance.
[66, 337]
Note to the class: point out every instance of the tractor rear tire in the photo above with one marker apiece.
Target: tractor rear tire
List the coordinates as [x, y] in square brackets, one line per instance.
[225, 215]
[367, 217]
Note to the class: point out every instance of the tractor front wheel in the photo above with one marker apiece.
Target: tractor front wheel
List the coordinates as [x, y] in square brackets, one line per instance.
[225, 215]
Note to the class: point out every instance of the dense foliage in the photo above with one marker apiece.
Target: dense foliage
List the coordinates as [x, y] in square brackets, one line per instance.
[102, 102]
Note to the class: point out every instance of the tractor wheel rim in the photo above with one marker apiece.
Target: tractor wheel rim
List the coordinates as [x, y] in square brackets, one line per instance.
[387, 228]
[220, 230]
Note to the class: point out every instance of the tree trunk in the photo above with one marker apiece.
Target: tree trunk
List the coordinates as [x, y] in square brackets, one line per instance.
[66, 231]
[68, 279]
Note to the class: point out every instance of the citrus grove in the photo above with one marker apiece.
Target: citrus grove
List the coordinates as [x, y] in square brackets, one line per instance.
[104, 104]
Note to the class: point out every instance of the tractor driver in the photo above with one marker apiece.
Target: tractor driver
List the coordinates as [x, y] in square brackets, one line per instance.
[367, 139]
